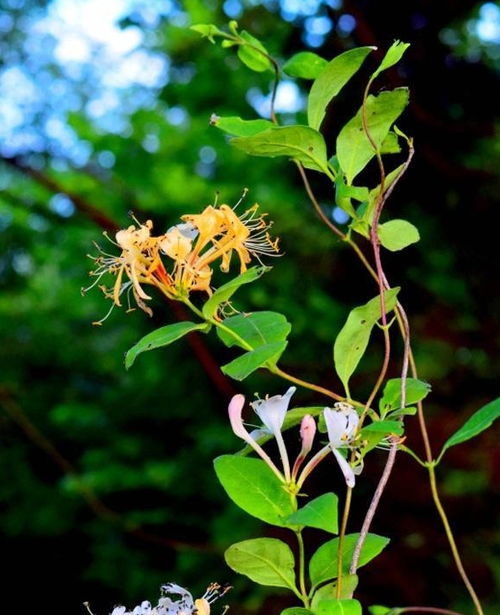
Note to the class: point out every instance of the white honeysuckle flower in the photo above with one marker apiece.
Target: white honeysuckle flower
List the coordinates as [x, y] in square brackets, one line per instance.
[184, 606]
[341, 425]
[272, 410]
[234, 410]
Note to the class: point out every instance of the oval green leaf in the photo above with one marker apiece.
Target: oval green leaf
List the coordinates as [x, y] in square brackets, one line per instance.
[323, 564]
[256, 328]
[416, 390]
[353, 338]
[397, 234]
[297, 610]
[254, 54]
[237, 127]
[267, 561]
[300, 143]
[331, 80]
[478, 422]
[321, 513]
[253, 486]
[338, 607]
[243, 366]
[161, 337]
[305, 64]
[354, 150]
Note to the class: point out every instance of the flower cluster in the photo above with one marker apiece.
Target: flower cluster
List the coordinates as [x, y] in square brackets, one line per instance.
[180, 260]
[341, 424]
[185, 605]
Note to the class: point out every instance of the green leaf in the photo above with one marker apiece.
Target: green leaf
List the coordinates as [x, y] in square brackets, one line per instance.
[208, 31]
[384, 427]
[392, 56]
[305, 64]
[344, 194]
[329, 590]
[391, 177]
[338, 607]
[256, 328]
[416, 390]
[161, 337]
[477, 423]
[225, 292]
[390, 145]
[377, 609]
[331, 80]
[397, 234]
[240, 128]
[267, 561]
[243, 366]
[300, 143]
[321, 513]
[353, 338]
[354, 149]
[254, 54]
[323, 564]
[297, 610]
[253, 486]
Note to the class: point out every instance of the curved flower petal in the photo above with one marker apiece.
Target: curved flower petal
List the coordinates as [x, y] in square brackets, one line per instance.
[272, 410]
[347, 471]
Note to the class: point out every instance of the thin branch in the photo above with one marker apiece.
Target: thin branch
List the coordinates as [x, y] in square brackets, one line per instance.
[365, 528]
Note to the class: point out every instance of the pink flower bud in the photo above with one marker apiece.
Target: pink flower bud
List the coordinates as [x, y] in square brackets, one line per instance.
[307, 433]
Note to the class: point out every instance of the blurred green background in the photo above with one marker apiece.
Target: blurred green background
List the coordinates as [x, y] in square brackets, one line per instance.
[106, 481]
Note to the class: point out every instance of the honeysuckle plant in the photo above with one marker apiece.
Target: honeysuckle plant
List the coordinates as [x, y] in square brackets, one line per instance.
[341, 428]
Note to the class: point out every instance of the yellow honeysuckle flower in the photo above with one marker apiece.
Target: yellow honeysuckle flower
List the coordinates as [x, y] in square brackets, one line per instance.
[179, 261]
